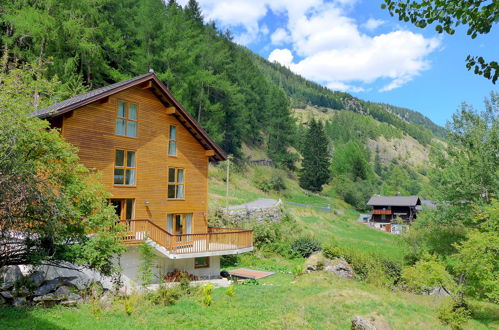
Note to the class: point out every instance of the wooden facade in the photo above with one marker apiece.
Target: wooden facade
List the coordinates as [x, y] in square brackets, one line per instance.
[388, 209]
[92, 128]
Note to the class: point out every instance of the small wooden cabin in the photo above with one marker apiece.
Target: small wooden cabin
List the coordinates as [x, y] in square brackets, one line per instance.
[153, 158]
[387, 209]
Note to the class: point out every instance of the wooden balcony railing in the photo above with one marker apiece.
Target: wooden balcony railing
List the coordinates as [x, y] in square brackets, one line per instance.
[388, 212]
[216, 239]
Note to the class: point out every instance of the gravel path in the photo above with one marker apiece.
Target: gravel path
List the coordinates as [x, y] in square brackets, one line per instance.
[261, 203]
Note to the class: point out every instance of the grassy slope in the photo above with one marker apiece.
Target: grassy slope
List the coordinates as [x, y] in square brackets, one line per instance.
[313, 301]
[323, 225]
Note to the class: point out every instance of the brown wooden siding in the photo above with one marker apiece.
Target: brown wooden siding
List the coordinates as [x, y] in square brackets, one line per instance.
[92, 129]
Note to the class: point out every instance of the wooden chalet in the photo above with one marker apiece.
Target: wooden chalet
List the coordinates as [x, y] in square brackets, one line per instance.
[153, 158]
[387, 210]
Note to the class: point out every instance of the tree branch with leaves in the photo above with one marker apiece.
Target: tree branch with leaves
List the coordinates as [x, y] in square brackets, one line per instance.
[478, 16]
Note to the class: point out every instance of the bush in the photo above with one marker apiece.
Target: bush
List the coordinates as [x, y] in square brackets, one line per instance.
[145, 270]
[454, 312]
[427, 272]
[367, 266]
[165, 295]
[305, 246]
[332, 251]
[275, 182]
[231, 292]
[229, 260]
[206, 293]
[297, 270]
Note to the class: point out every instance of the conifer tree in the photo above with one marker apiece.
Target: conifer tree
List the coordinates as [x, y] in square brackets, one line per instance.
[316, 160]
[194, 11]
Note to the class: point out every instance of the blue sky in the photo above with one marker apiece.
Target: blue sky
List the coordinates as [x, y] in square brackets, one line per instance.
[354, 46]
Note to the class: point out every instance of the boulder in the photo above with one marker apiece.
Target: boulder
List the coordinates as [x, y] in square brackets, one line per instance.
[62, 292]
[47, 297]
[37, 277]
[439, 291]
[6, 294]
[70, 273]
[47, 287]
[339, 212]
[69, 303]
[360, 323]
[19, 301]
[314, 262]
[3, 301]
[22, 292]
[9, 275]
[340, 268]
[74, 296]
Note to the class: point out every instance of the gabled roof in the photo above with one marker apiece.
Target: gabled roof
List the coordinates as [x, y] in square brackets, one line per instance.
[157, 87]
[394, 201]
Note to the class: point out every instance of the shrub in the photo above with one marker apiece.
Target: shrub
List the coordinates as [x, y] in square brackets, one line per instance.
[231, 292]
[146, 274]
[206, 293]
[427, 272]
[165, 295]
[305, 246]
[367, 266]
[275, 182]
[185, 284]
[128, 306]
[454, 312]
[229, 260]
[297, 270]
[332, 252]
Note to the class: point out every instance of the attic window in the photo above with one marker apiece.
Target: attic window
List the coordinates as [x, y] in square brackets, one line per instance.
[172, 143]
[126, 123]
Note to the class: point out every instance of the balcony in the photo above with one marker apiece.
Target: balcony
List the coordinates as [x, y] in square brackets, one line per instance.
[217, 241]
[386, 212]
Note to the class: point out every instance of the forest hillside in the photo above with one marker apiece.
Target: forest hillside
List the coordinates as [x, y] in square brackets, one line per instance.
[241, 99]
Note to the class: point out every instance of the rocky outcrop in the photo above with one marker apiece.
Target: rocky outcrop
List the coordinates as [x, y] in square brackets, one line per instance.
[373, 321]
[44, 285]
[438, 291]
[360, 323]
[340, 268]
[337, 266]
[9, 275]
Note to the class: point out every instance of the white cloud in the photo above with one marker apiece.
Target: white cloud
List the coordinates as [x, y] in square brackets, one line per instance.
[339, 86]
[282, 56]
[325, 44]
[398, 56]
[372, 24]
[280, 36]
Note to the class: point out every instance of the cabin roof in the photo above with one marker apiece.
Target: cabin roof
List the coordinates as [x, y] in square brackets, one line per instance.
[394, 201]
[157, 87]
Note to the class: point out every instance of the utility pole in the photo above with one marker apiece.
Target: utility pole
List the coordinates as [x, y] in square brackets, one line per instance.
[229, 158]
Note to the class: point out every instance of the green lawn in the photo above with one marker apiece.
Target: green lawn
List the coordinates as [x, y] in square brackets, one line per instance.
[348, 233]
[313, 301]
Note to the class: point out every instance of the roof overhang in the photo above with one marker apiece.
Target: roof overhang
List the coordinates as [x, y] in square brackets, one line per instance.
[151, 82]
